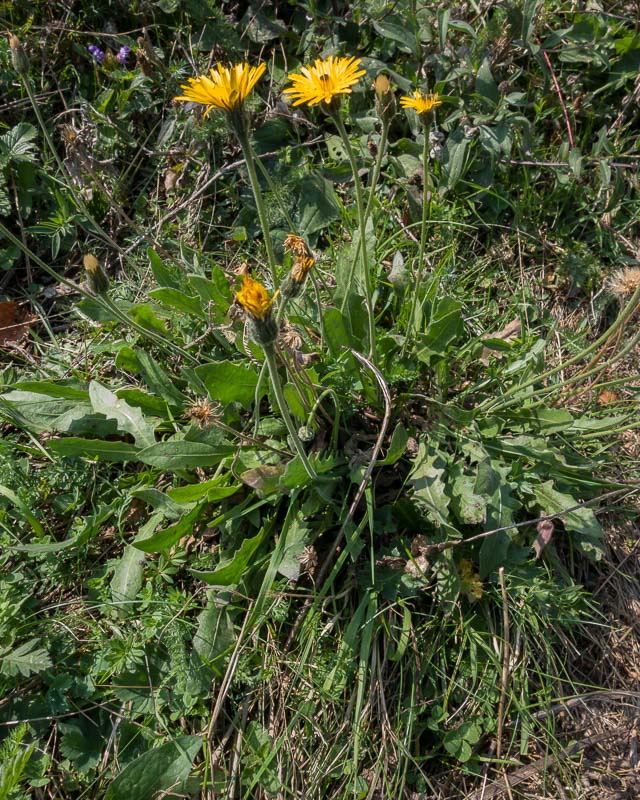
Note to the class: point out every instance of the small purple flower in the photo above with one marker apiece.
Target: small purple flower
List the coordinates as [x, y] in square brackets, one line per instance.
[96, 52]
[123, 54]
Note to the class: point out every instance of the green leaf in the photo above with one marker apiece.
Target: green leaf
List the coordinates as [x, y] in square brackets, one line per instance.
[51, 389]
[127, 577]
[455, 158]
[581, 521]
[128, 419]
[18, 143]
[492, 484]
[180, 454]
[486, 87]
[335, 329]
[193, 492]
[215, 634]
[297, 536]
[318, 204]
[23, 508]
[228, 382]
[25, 659]
[80, 743]
[156, 378]
[399, 30]
[165, 539]
[444, 327]
[179, 301]
[165, 276]
[215, 293]
[429, 488]
[163, 768]
[397, 446]
[470, 508]
[94, 449]
[230, 571]
[143, 314]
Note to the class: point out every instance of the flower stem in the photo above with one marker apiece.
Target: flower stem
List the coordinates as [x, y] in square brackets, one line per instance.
[426, 214]
[363, 244]
[382, 146]
[243, 139]
[270, 357]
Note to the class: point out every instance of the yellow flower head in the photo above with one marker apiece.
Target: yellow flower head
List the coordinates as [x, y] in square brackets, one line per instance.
[224, 87]
[422, 103]
[301, 267]
[254, 299]
[324, 80]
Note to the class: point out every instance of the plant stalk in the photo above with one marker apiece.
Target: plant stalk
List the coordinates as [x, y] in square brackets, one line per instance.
[363, 244]
[426, 216]
[270, 357]
[243, 139]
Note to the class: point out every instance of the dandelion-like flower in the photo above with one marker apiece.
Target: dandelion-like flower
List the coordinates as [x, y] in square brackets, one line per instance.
[225, 88]
[324, 81]
[254, 299]
[423, 104]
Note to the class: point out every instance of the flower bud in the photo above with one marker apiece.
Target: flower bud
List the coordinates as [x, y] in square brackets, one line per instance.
[385, 99]
[97, 278]
[19, 58]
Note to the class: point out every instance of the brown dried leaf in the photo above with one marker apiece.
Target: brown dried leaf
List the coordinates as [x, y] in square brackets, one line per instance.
[545, 530]
[507, 334]
[14, 323]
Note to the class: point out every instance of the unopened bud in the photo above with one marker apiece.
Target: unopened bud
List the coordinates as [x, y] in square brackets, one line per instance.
[19, 58]
[97, 278]
[385, 99]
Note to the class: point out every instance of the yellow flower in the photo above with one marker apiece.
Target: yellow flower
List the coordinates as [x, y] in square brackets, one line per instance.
[324, 80]
[225, 87]
[422, 103]
[254, 299]
[301, 267]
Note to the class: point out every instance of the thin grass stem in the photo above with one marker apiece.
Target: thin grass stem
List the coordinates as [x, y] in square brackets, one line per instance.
[362, 222]
[426, 214]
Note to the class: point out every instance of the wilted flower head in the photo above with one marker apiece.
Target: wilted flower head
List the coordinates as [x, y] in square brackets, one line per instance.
[296, 245]
[424, 104]
[96, 52]
[324, 81]
[624, 282]
[225, 88]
